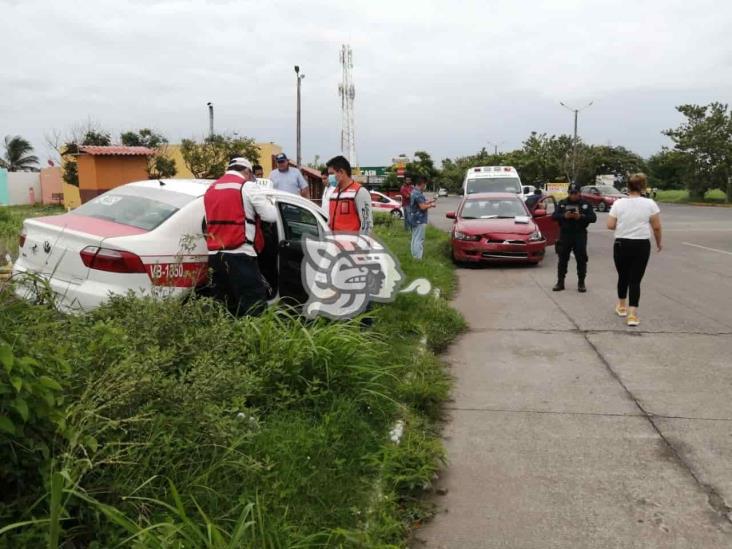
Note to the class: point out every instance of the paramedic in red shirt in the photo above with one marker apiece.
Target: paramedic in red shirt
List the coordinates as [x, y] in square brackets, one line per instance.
[235, 207]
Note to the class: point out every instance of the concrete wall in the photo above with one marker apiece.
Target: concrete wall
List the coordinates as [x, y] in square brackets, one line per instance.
[51, 184]
[4, 194]
[19, 185]
[98, 174]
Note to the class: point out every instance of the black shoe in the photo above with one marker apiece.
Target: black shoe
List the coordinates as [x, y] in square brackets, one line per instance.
[581, 288]
[559, 286]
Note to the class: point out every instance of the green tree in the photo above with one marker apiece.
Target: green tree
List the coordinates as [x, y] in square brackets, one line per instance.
[208, 159]
[18, 155]
[668, 169]
[160, 165]
[706, 138]
[421, 166]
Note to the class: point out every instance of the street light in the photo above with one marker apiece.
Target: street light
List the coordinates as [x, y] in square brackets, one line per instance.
[574, 141]
[300, 78]
[210, 119]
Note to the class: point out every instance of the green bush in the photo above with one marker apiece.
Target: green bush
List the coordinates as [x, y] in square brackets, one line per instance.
[171, 424]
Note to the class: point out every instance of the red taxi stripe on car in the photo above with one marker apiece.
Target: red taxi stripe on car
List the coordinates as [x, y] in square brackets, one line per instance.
[90, 225]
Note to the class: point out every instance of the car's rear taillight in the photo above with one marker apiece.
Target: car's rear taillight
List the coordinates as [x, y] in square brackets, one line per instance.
[111, 261]
[21, 239]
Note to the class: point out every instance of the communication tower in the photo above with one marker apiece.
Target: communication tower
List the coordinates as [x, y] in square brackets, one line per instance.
[347, 92]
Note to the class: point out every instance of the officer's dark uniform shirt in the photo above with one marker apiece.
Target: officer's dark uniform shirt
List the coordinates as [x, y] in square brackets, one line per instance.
[569, 227]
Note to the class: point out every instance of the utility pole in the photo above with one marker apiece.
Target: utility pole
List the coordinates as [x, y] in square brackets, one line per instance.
[299, 141]
[574, 140]
[210, 120]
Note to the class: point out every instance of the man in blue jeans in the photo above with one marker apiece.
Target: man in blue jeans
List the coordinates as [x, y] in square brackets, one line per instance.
[419, 205]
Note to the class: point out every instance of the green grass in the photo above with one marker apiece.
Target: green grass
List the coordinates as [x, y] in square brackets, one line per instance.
[11, 220]
[682, 196]
[166, 424]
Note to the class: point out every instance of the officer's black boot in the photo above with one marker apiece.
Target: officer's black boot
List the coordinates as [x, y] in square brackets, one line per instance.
[559, 286]
[581, 286]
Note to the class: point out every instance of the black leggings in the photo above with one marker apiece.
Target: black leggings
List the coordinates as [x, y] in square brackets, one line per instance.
[631, 257]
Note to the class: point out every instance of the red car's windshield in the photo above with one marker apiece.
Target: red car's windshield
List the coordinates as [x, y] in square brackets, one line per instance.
[492, 208]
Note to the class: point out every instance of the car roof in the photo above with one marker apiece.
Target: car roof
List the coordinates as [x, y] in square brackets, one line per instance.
[197, 187]
[488, 196]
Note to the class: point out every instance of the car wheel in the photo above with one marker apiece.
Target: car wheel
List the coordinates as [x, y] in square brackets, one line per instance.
[396, 212]
[602, 207]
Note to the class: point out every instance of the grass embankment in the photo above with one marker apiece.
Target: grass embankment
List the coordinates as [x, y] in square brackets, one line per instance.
[714, 196]
[167, 424]
[11, 220]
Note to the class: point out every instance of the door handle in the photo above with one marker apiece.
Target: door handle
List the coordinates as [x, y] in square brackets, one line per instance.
[285, 244]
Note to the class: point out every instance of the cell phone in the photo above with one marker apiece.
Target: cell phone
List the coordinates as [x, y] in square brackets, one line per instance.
[572, 208]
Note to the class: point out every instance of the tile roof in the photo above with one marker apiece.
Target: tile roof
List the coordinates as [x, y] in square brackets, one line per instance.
[116, 150]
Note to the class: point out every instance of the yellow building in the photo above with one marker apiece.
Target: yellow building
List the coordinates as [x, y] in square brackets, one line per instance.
[266, 152]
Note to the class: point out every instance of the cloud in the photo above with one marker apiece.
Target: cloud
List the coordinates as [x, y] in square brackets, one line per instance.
[443, 76]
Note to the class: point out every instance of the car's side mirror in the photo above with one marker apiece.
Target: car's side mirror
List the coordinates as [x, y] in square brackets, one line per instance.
[539, 213]
[451, 215]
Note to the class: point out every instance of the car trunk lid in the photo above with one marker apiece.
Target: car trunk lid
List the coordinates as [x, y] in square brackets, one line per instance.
[53, 244]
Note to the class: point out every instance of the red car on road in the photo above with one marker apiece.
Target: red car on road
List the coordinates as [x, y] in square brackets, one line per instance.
[498, 227]
[602, 197]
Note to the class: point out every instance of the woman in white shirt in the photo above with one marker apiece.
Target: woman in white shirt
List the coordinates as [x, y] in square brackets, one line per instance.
[633, 219]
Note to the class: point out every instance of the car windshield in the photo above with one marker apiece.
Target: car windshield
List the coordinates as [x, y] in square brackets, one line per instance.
[493, 185]
[488, 209]
[134, 210]
[607, 189]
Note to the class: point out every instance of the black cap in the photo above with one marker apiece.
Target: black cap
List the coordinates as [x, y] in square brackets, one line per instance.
[573, 188]
[281, 157]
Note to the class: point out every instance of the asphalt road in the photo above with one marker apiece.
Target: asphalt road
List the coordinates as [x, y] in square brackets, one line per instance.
[568, 429]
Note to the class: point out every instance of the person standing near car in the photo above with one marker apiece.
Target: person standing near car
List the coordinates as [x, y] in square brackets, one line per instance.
[419, 206]
[406, 193]
[288, 179]
[633, 219]
[349, 204]
[573, 215]
[533, 199]
[235, 207]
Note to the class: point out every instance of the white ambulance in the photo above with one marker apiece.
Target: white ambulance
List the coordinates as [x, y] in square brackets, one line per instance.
[492, 179]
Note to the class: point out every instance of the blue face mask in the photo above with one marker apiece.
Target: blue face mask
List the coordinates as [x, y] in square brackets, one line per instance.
[332, 180]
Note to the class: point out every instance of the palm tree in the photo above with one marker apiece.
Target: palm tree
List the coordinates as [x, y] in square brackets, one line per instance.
[18, 155]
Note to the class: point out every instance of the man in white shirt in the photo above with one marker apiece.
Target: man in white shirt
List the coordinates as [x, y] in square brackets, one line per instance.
[288, 179]
[235, 208]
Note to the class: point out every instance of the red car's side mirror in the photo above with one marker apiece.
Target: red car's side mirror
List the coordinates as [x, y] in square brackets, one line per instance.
[539, 213]
[451, 215]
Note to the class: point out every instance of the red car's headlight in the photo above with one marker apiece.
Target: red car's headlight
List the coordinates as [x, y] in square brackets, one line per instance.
[469, 237]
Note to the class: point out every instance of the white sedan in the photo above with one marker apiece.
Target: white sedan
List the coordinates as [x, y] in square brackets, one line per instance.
[147, 238]
[382, 203]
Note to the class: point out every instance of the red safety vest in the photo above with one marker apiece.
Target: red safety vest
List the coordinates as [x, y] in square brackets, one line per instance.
[343, 215]
[226, 220]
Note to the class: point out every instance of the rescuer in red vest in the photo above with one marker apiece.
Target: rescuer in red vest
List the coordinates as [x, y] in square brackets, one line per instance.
[349, 204]
[235, 207]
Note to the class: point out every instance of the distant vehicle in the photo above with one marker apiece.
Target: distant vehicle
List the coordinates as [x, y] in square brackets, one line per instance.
[147, 238]
[498, 227]
[492, 179]
[382, 203]
[601, 197]
[442, 192]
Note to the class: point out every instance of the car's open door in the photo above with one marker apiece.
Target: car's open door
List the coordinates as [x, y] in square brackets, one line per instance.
[296, 222]
[547, 225]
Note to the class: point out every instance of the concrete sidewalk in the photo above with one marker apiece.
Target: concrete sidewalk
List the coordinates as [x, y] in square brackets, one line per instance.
[569, 430]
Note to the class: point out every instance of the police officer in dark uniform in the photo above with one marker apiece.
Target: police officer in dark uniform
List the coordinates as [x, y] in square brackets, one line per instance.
[573, 215]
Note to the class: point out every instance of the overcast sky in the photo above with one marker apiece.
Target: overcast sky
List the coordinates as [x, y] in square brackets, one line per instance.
[444, 76]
